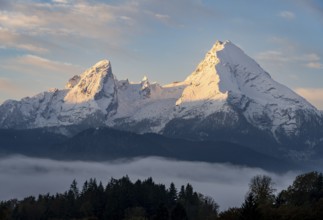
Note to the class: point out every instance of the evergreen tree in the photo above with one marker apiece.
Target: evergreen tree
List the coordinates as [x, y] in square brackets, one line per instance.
[181, 194]
[172, 191]
[85, 187]
[74, 191]
[249, 209]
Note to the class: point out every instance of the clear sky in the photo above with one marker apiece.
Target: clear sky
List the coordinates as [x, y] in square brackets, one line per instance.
[44, 43]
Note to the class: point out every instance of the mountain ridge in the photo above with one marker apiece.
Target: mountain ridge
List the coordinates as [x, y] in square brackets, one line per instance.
[228, 97]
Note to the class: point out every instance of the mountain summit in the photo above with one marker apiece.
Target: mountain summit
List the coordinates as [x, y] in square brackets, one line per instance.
[228, 79]
[228, 97]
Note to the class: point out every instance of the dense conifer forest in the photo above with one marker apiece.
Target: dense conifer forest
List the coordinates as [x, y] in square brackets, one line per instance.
[119, 199]
[123, 199]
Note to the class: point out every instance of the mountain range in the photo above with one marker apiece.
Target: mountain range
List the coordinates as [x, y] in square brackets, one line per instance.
[228, 98]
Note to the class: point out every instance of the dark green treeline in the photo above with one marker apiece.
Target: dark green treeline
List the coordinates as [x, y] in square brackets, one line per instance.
[141, 200]
[119, 199]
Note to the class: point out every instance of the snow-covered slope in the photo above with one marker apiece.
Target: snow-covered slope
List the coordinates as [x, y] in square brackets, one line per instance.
[87, 99]
[95, 98]
[229, 96]
[227, 79]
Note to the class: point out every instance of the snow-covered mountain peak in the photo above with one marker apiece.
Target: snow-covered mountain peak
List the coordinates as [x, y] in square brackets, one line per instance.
[90, 83]
[226, 68]
[102, 63]
[219, 45]
[204, 82]
[231, 54]
[227, 79]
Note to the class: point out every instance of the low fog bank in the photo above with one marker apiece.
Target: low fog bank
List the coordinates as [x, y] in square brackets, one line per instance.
[227, 184]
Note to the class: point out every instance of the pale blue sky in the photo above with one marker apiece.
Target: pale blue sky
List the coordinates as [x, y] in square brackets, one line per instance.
[44, 43]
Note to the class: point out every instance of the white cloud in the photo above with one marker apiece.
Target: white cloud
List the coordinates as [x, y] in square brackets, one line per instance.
[59, 21]
[312, 57]
[287, 15]
[163, 17]
[32, 48]
[61, 1]
[42, 62]
[272, 55]
[286, 43]
[19, 20]
[80, 18]
[100, 20]
[56, 26]
[227, 184]
[313, 95]
[38, 65]
[310, 60]
[10, 39]
[315, 65]
[288, 53]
